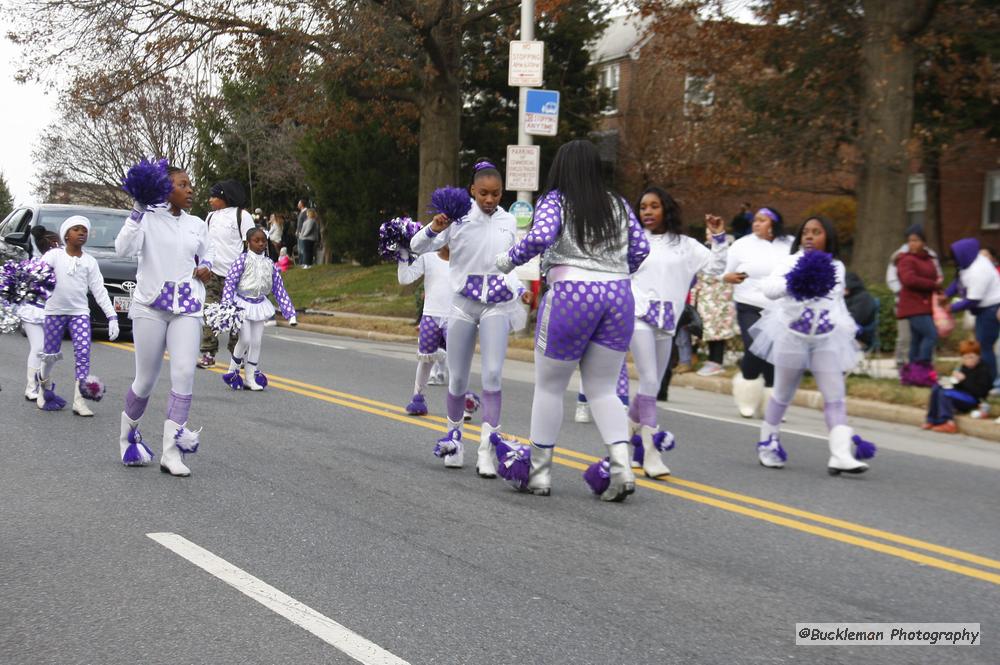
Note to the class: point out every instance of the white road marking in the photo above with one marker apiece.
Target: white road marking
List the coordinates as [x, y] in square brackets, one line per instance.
[326, 629]
[310, 342]
[755, 423]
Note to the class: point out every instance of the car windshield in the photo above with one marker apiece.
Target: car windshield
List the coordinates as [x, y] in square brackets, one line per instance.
[104, 224]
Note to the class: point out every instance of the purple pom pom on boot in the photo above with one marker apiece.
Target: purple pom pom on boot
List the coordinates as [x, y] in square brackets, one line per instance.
[417, 406]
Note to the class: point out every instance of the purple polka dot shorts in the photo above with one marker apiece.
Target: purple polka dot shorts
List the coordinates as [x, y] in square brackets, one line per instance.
[574, 314]
[432, 336]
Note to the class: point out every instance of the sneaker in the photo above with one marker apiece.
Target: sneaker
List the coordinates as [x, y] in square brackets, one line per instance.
[270, 323]
[982, 411]
[682, 368]
[436, 379]
[771, 454]
[710, 369]
[206, 360]
[948, 428]
[582, 414]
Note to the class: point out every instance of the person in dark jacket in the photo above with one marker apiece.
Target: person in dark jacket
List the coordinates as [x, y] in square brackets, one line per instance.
[970, 384]
[919, 281]
[862, 307]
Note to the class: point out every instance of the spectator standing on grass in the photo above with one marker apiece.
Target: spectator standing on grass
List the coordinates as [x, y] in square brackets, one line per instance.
[228, 224]
[919, 279]
[275, 235]
[892, 281]
[299, 223]
[742, 222]
[713, 298]
[308, 237]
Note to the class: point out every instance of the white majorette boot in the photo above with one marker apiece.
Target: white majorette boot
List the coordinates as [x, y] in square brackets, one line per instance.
[80, 407]
[654, 444]
[232, 377]
[177, 441]
[622, 482]
[769, 450]
[637, 453]
[486, 459]
[582, 414]
[841, 458]
[449, 447]
[747, 395]
[31, 388]
[133, 451]
[540, 476]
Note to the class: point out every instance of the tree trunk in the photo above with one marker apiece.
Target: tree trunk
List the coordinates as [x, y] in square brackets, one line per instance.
[440, 119]
[441, 107]
[885, 125]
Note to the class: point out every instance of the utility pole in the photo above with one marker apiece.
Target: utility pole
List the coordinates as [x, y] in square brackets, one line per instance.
[527, 35]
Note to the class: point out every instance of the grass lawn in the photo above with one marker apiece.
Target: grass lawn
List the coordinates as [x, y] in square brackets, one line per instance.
[349, 288]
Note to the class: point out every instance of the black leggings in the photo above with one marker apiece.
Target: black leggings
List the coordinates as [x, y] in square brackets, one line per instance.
[717, 350]
[751, 366]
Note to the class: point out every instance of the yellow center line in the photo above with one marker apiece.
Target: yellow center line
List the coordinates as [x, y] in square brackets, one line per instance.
[438, 424]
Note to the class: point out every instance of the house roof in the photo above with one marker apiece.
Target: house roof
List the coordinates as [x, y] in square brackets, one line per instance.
[623, 34]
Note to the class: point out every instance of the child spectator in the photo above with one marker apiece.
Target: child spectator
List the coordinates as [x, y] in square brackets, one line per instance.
[969, 385]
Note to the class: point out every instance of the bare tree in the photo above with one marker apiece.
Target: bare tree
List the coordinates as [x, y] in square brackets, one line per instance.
[98, 147]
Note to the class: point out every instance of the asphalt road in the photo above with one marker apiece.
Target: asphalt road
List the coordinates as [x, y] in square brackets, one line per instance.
[321, 488]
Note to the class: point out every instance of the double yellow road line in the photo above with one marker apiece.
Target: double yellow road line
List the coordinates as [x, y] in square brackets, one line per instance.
[876, 540]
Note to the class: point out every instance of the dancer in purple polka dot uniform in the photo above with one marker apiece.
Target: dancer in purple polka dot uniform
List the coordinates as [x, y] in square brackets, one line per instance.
[32, 316]
[591, 242]
[66, 309]
[659, 288]
[252, 277]
[805, 331]
[175, 258]
[434, 268]
[484, 302]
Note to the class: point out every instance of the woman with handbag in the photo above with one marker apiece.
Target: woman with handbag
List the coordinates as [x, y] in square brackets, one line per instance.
[920, 280]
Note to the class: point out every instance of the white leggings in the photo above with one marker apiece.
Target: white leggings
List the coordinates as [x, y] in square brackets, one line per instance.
[251, 338]
[181, 337]
[36, 340]
[424, 368]
[469, 317]
[651, 352]
[599, 370]
[829, 379]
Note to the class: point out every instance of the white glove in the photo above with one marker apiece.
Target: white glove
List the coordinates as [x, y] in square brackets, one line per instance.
[138, 210]
[293, 321]
[404, 255]
[113, 329]
[504, 263]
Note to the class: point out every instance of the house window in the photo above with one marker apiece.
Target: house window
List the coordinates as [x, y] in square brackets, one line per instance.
[699, 93]
[991, 201]
[916, 199]
[607, 82]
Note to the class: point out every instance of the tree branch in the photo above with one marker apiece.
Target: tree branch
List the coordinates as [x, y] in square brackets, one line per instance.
[488, 10]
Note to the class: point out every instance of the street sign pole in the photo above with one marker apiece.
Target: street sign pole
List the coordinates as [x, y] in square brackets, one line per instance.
[527, 35]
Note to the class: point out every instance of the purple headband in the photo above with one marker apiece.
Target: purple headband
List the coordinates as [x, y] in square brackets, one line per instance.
[767, 212]
[482, 165]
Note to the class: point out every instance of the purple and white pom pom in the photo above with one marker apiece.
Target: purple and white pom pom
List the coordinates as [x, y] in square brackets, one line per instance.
[813, 276]
[137, 453]
[30, 281]
[452, 202]
[598, 476]
[92, 388]
[9, 320]
[664, 441]
[514, 459]
[449, 444]
[186, 440]
[233, 379]
[148, 183]
[222, 317]
[260, 378]
[863, 449]
[471, 402]
[394, 236]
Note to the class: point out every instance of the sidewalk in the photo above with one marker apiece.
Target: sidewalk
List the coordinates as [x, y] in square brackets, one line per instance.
[812, 399]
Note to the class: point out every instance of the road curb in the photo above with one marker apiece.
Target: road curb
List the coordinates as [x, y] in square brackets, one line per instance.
[812, 399]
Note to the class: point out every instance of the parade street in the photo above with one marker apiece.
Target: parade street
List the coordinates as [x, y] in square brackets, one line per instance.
[317, 527]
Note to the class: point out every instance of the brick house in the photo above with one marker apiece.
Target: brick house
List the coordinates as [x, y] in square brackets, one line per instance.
[631, 143]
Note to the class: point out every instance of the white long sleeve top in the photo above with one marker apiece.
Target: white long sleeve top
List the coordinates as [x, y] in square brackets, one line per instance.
[437, 287]
[757, 258]
[668, 272]
[75, 276]
[226, 238]
[169, 250]
[474, 243]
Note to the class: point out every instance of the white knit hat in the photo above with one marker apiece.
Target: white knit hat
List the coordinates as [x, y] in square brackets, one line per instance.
[75, 220]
